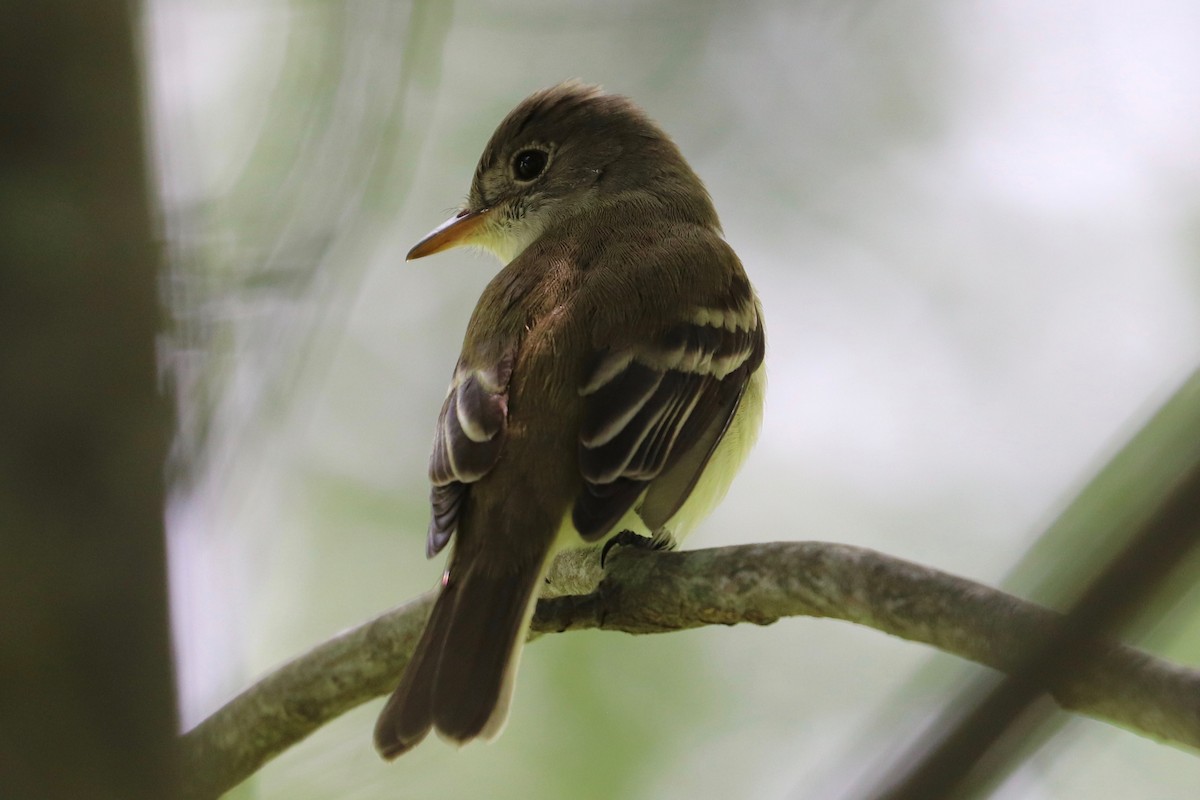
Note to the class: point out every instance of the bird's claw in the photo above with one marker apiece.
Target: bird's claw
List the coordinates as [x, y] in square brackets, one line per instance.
[628, 538]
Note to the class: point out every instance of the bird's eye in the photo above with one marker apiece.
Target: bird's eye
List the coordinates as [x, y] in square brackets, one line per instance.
[528, 164]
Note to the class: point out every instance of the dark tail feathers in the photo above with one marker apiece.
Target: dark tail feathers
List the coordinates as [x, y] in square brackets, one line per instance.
[460, 677]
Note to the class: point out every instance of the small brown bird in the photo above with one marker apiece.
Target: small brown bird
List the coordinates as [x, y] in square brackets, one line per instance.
[610, 379]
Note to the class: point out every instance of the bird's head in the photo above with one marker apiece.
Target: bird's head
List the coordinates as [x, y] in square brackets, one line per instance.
[561, 152]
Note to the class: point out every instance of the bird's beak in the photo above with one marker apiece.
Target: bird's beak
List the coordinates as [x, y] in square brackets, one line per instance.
[459, 229]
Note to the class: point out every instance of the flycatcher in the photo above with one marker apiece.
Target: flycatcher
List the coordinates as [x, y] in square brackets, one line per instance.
[610, 379]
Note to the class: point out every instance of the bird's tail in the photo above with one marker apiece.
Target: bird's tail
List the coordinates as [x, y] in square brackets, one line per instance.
[460, 677]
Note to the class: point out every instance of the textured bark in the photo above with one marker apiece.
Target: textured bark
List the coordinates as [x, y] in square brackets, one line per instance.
[655, 592]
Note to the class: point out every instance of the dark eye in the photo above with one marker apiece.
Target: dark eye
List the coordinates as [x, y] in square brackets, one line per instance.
[528, 164]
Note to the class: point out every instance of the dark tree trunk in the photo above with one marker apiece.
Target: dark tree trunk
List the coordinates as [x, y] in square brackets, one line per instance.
[86, 698]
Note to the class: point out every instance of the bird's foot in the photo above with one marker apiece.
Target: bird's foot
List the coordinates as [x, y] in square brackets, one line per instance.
[628, 538]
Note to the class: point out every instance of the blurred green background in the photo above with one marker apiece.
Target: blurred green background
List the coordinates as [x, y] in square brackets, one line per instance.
[975, 229]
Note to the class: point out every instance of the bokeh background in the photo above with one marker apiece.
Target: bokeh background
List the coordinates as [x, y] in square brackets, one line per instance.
[975, 229]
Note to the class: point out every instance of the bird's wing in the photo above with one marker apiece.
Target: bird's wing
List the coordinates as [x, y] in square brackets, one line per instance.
[655, 410]
[470, 434]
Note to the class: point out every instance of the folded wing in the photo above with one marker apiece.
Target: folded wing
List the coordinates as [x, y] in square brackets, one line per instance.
[469, 438]
[655, 411]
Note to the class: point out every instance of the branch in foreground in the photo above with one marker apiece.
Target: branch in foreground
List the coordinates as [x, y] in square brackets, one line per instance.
[947, 760]
[654, 592]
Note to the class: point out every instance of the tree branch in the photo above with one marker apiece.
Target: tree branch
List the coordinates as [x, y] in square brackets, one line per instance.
[655, 592]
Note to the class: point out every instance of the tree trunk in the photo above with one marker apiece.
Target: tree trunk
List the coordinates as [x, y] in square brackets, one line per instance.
[86, 698]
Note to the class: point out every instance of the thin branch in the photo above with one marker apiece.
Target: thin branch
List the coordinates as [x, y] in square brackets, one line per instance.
[654, 592]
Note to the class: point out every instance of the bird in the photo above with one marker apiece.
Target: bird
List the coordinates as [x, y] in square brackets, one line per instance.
[611, 383]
